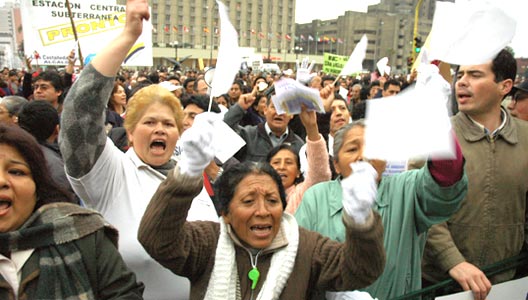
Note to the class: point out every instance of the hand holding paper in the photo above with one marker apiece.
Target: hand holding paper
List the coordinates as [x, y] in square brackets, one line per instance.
[414, 123]
[481, 30]
[290, 94]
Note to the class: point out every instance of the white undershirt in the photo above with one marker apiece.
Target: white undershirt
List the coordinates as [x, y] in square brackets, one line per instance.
[11, 269]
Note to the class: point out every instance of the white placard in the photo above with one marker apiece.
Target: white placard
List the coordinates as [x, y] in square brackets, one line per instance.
[48, 31]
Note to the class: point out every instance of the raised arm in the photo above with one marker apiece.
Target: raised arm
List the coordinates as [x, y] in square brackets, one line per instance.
[317, 157]
[440, 188]
[83, 136]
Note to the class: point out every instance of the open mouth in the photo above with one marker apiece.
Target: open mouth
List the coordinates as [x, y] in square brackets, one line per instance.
[261, 228]
[5, 204]
[158, 144]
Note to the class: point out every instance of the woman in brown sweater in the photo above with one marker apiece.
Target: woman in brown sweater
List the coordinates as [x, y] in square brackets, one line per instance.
[257, 251]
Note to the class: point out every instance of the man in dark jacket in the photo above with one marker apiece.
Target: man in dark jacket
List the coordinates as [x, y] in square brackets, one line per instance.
[261, 138]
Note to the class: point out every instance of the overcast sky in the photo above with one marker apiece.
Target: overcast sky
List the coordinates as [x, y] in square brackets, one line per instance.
[307, 10]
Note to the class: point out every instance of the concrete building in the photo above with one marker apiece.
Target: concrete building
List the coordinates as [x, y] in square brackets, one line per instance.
[191, 27]
[389, 28]
[8, 49]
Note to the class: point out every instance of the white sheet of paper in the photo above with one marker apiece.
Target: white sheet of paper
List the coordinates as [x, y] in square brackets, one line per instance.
[228, 60]
[511, 290]
[412, 123]
[382, 64]
[290, 94]
[469, 32]
[343, 92]
[354, 64]
[226, 142]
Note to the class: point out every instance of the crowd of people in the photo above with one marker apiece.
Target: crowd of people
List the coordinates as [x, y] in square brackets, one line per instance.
[110, 187]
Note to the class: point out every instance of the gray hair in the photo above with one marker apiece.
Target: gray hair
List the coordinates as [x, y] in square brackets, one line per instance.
[339, 136]
[13, 104]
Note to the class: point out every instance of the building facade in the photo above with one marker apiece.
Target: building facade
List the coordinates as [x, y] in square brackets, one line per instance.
[191, 27]
[389, 27]
[8, 48]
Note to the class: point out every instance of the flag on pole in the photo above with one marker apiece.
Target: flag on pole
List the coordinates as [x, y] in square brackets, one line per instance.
[339, 41]
[310, 38]
[287, 37]
[261, 35]
[166, 28]
[205, 29]
[185, 29]
[302, 37]
[174, 28]
[253, 31]
[154, 29]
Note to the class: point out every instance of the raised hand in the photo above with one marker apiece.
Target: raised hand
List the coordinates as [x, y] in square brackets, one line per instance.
[360, 191]
[304, 70]
[198, 151]
[309, 121]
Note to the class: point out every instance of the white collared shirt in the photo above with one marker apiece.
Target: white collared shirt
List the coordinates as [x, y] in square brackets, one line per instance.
[11, 269]
[275, 140]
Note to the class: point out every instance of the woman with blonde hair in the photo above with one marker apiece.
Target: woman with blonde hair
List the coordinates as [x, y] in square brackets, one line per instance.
[118, 184]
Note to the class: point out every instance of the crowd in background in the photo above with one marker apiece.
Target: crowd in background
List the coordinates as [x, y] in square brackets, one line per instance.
[115, 169]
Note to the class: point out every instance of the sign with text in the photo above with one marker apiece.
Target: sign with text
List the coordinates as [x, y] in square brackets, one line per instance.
[333, 64]
[49, 36]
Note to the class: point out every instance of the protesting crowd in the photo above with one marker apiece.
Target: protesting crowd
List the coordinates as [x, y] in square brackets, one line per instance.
[112, 185]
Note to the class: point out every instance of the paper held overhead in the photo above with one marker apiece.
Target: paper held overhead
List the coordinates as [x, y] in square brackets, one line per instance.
[228, 61]
[469, 32]
[383, 67]
[355, 62]
[415, 123]
[290, 95]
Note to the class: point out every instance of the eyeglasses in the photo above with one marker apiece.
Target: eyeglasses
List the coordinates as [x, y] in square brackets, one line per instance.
[41, 86]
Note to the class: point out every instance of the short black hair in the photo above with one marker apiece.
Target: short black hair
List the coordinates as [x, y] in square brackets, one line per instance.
[288, 147]
[504, 66]
[189, 79]
[38, 118]
[53, 77]
[391, 82]
[202, 101]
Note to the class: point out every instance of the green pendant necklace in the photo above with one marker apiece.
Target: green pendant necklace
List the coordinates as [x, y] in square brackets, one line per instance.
[254, 275]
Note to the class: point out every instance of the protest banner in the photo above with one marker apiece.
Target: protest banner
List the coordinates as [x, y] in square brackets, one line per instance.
[48, 30]
[333, 64]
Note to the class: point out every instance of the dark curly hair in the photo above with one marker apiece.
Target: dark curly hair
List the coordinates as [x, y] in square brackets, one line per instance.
[225, 186]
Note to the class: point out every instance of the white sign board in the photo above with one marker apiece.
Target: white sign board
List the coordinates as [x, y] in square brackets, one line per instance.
[48, 31]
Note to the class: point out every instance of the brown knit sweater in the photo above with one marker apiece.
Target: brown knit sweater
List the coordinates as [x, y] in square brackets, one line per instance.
[188, 248]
